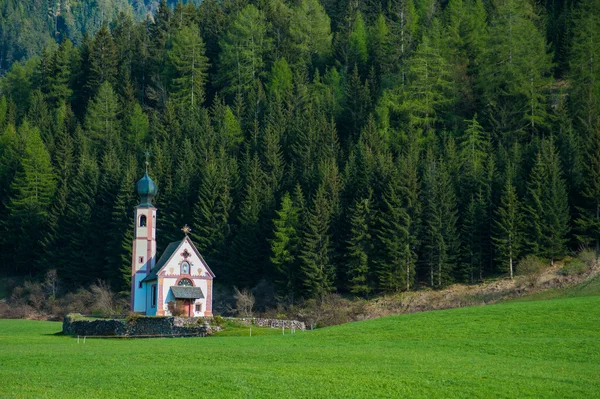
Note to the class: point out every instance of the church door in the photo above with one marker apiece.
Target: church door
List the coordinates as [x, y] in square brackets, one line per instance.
[186, 304]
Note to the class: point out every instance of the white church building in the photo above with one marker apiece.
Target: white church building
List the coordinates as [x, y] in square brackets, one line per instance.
[179, 278]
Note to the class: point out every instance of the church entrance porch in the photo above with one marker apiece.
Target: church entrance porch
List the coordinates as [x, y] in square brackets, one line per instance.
[186, 305]
[186, 297]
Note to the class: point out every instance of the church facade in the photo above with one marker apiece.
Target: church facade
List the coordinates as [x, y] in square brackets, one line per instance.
[180, 279]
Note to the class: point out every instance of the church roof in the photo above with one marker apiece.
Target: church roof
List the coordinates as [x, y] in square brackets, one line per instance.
[146, 189]
[168, 254]
[187, 292]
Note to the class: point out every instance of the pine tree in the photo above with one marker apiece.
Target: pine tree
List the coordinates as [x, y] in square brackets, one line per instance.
[244, 47]
[515, 69]
[75, 230]
[357, 42]
[556, 205]
[534, 207]
[439, 241]
[396, 266]
[101, 123]
[120, 243]
[589, 221]
[509, 225]
[28, 198]
[429, 83]
[190, 66]
[60, 81]
[102, 61]
[285, 248]
[318, 272]
[213, 208]
[584, 63]
[360, 248]
[547, 205]
[250, 246]
[310, 32]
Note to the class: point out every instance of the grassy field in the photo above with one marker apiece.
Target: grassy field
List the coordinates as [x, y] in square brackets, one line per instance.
[525, 349]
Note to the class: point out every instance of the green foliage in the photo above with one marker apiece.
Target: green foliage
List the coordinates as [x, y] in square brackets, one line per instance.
[360, 248]
[573, 267]
[285, 246]
[474, 146]
[186, 58]
[244, 47]
[509, 225]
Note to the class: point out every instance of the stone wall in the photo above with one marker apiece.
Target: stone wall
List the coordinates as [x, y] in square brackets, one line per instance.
[140, 326]
[272, 323]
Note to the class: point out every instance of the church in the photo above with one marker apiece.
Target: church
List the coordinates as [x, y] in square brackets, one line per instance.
[179, 278]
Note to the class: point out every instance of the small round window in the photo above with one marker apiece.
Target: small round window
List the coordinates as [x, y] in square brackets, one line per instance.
[185, 282]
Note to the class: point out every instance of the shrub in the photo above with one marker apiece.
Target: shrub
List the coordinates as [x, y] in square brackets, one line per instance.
[587, 256]
[573, 267]
[218, 321]
[531, 266]
[132, 317]
[176, 309]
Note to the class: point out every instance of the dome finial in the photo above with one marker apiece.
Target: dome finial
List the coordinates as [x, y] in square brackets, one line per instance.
[147, 154]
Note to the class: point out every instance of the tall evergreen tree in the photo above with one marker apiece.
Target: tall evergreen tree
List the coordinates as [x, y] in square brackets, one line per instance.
[285, 248]
[190, 66]
[318, 272]
[509, 227]
[32, 192]
[360, 248]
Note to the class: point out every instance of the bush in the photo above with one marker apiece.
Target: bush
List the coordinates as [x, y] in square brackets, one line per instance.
[218, 321]
[573, 268]
[531, 266]
[587, 256]
[176, 309]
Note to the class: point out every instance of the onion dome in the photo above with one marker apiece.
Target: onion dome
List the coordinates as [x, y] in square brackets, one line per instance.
[146, 189]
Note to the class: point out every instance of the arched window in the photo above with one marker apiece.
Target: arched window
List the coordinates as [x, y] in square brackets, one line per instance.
[185, 282]
[143, 221]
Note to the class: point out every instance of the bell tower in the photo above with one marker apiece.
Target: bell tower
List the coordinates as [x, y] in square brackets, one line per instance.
[144, 241]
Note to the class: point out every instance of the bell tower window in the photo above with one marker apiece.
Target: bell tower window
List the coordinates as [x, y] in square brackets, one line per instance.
[143, 221]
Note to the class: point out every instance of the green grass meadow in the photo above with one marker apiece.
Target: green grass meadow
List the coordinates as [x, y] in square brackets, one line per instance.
[536, 349]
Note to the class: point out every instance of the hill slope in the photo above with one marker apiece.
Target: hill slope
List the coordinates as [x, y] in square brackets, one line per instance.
[532, 349]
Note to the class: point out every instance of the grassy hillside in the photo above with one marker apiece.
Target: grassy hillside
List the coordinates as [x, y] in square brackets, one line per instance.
[587, 288]
[530, 349]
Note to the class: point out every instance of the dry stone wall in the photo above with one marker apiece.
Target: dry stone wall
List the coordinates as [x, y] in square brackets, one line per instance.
[273, 323]
[140, 326]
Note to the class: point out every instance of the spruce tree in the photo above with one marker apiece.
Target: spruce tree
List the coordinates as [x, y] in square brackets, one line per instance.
[440, 241]
[101, 122]
[190, 65]
[213, 208]
[102, 61]
[244, 47]
[360, 248]
[318, 272]
[589, 221]
[509, 227]
[396, 266]
[32, 192]
[285, 248]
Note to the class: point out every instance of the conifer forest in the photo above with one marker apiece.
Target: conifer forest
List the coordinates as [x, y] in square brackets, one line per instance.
[362, 147]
